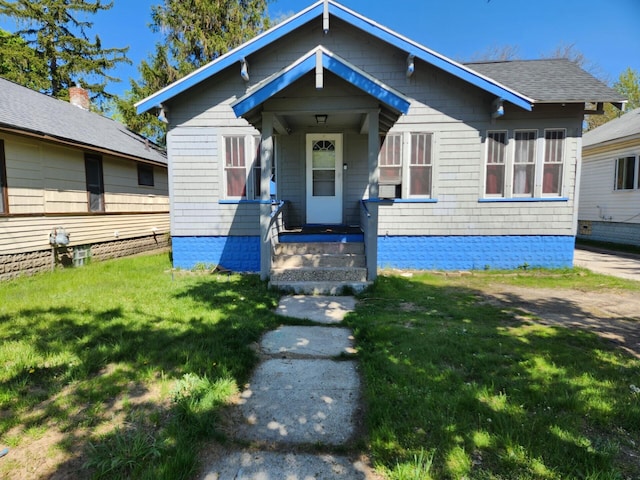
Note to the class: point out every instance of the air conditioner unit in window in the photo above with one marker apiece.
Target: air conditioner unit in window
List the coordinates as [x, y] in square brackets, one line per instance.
[388, 191]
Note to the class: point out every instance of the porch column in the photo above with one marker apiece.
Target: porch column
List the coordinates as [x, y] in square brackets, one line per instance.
[266, 157]
[371, 242]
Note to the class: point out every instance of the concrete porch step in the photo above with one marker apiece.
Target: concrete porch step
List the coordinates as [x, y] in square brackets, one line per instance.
[319, 288]
[352, 260]
[319, 274]
[319, 248]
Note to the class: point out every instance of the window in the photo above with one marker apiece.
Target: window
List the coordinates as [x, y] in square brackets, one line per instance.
[3, 181]
[496, 156]
[145, 175]
[95, 185]
[553, 161]
[524, 163]
[390, 163]
[242, 170]
[405, 162]
[626, 173]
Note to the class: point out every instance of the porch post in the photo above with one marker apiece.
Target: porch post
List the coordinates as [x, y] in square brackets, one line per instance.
[266, 157]
[371, 242]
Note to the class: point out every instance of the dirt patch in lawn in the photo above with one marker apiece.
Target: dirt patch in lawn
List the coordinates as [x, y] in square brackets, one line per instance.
[613, 315]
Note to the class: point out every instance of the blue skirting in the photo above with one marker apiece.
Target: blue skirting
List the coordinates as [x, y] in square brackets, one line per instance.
[239, 254]
[475, 252]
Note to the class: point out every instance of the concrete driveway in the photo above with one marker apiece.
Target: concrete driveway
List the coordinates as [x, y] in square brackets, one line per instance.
[607, 262]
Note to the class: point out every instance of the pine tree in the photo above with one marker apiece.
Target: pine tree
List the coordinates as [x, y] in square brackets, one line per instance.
[195, 32]
[20, 63]
[58, 35]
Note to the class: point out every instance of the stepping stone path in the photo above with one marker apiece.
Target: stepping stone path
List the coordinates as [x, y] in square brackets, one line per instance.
[303, 396]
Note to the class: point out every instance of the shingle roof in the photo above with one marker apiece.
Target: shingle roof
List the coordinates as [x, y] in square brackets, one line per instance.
[622, 127]
[29, 111]
[548, 81]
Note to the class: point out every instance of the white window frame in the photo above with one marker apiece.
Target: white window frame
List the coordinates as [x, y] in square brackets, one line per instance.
[405, 165]
[250, 143]
[544, 162]
[505, 173]
[636, 172]
[534, 163]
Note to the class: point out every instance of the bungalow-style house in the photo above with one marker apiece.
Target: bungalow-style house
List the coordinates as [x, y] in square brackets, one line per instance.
[332, 127]
[74, 184]
[609, 208]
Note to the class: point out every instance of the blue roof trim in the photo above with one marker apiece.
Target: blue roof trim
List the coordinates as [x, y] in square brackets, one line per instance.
[234, 56]
[334, 64]
[429, 56]
[347, 72]
[274, 86]
[358, 21]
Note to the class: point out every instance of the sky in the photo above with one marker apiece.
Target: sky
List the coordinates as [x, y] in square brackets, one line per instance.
[606, 32]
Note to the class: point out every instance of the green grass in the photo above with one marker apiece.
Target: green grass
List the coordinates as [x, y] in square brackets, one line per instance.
[457, 388]
[75, 342]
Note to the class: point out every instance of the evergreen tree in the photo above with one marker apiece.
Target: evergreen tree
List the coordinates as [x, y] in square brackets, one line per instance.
[58, 35]
[194, 32]
[20, 63]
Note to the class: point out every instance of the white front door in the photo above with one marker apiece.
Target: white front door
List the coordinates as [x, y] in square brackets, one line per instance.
[324, 179]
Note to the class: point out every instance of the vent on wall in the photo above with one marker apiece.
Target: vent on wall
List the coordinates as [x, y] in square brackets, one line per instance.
[388, 191]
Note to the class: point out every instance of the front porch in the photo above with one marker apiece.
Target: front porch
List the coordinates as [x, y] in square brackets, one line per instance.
[317, 259]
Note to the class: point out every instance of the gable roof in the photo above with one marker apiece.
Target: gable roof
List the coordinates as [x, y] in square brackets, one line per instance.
[627, 125]
[556, 80]
[26, 111]
[335, 9]
[334, 64]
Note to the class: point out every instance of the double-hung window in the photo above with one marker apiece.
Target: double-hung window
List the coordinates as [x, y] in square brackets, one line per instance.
[521, 164]
[242, 167]
[553, 162]
[95, 183]
[524, 163]
[496, 163]
[627, 173]
[3, 181]
[406, 165]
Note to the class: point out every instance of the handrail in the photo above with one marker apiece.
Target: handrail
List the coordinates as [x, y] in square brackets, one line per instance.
[274, 216]
[366, 209]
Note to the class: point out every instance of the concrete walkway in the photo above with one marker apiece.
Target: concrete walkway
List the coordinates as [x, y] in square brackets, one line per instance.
[607, 262]
[300, 398]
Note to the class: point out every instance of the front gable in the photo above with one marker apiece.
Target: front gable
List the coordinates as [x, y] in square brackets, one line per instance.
[324, 11]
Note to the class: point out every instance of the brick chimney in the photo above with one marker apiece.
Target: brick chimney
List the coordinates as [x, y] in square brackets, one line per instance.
[79, 97]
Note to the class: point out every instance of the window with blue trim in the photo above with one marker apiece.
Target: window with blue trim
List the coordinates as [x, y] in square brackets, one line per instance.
[520, 164]
[242, 167]
[406, 165]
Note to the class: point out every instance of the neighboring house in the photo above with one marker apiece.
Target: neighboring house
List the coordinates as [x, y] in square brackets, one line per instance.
[67, 169]
[610, 187]
[477, 167]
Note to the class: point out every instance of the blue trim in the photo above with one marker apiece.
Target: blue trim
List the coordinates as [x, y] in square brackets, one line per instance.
[336, 65]
[322, 237]
[316, 10]
[347, 73]
[519, 199]
[401, 200]
[475, 252]
[243, 201]
[239, 254]
[235, 56]
[274, 86]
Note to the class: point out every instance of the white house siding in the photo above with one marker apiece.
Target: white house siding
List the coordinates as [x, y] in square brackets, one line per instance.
[606, 214]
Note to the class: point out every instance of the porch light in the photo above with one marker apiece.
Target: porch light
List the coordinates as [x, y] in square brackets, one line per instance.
[321, 119]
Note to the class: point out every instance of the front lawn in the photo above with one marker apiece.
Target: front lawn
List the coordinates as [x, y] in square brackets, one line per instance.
[461, 388]
[124, 363]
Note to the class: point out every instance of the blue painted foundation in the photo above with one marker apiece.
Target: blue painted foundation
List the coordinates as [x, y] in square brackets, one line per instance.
[475, 252]
[239, 254]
